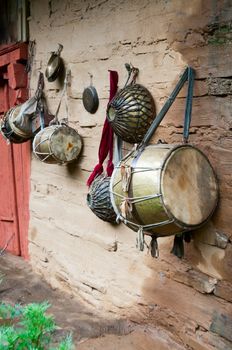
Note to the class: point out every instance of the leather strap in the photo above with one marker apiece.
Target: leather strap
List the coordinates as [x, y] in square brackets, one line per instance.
[187, 75]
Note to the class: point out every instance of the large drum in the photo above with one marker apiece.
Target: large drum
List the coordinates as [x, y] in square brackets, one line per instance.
[131, 113]
[9, 128]
[165, 189]
[57, 144]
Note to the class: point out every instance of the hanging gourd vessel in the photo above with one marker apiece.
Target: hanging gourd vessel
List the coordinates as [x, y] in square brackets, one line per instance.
[131, 111]
[98, 199]
[17, 123]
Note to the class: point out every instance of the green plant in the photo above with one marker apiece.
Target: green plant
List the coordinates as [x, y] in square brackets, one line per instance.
[28, 328]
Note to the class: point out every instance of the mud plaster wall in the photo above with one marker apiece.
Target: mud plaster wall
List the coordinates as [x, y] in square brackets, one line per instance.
[73, 249]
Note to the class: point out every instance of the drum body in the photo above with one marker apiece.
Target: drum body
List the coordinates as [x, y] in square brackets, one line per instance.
[98, 199]
[172, 189]
[9, 129]
[57, 144]
[131, 113]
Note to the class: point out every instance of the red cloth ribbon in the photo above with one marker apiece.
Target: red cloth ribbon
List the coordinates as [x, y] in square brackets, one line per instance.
[107, 138]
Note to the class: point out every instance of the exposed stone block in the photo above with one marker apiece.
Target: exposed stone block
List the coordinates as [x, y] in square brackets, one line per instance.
[197, 280]
[223, 289]
[222, 325]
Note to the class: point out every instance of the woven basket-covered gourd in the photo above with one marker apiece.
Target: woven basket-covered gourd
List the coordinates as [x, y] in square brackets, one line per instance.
[10, 130]
[98, 199]
[131, 113]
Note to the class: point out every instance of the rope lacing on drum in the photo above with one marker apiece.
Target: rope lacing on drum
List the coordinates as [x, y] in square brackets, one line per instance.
[145, 227]
[125, 176]
[126, 207]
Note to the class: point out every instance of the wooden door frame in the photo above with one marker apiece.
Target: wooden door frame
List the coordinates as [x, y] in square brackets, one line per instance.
[20, 153]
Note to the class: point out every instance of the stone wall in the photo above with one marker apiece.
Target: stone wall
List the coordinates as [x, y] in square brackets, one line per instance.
[73, 249]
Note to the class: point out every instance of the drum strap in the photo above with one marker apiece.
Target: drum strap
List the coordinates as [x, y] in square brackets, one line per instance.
[188, 107]
[63, 94]
[187, 75]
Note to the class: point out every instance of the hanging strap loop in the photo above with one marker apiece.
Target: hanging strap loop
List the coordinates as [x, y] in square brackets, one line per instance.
[188, 107]
[40, 86]
[187, 75]
[64, 93]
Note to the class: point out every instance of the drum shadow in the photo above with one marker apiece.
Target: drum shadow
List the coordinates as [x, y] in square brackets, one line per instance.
[73, 169]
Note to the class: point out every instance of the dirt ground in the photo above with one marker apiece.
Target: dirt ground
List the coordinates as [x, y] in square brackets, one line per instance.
[90, 332]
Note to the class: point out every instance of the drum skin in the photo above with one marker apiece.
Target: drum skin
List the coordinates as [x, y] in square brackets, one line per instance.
[131, 113]
[98, 199]
[184, 181]
[10, 131]
[57, 144]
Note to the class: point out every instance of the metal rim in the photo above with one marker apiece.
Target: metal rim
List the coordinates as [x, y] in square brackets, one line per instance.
[184, 226]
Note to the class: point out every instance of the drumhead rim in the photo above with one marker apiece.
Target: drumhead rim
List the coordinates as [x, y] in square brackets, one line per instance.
[187, 227]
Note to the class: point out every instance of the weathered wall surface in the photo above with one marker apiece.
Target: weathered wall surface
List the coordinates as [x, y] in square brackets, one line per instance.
[98, 261]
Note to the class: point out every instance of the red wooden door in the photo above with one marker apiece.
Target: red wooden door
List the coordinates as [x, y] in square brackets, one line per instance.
[14, 160]
[9, 226]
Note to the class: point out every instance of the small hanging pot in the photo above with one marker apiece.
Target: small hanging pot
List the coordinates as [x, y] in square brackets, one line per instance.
[90, 98]
[54, 65]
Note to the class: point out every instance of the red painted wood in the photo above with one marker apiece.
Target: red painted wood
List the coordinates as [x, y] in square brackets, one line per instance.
[22, 95]
[21, 161]
[17, 75]
[9, 233]
[16, 53]
[2, 102]
[14, 160]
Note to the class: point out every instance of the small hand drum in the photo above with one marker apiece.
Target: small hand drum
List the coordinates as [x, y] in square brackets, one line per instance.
[57, 144]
